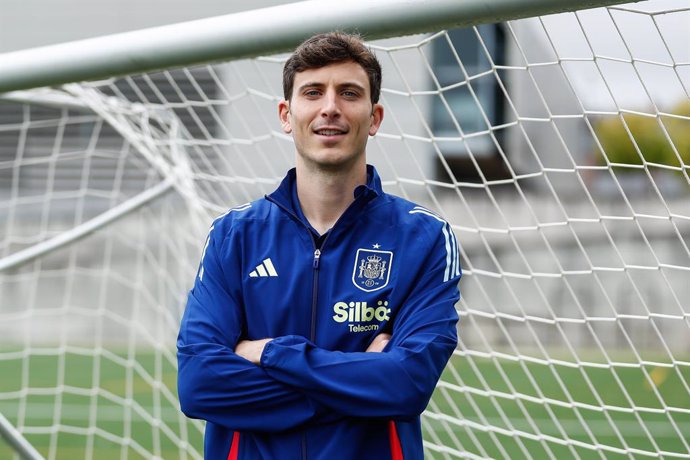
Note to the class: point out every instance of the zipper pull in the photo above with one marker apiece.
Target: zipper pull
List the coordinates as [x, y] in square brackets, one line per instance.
[317, 256]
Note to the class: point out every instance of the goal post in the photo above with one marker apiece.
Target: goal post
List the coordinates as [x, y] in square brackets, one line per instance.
[255, 33]
[18, 443]
[554, 138]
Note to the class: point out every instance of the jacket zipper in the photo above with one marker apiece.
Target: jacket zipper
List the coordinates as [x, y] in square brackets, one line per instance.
[314, 293]
[315, 264]
[315, 289]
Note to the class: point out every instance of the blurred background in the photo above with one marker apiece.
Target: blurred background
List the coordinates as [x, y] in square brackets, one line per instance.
[557, 147]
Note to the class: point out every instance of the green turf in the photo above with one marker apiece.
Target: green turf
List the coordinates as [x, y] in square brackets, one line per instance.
[526, 427]
[97, 422]
[493, 422]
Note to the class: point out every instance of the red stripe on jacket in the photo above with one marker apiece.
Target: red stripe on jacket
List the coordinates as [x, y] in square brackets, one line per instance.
[396, 450]
[235, 446]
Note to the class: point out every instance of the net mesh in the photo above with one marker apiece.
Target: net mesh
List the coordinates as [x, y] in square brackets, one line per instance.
[558, 148]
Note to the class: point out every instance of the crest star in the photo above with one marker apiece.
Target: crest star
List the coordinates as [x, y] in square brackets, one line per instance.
[376, 245]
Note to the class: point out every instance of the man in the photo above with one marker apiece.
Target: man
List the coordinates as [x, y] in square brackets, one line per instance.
[323, 314]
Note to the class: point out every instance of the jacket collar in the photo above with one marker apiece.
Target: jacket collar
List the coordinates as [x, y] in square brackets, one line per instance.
[286, 193]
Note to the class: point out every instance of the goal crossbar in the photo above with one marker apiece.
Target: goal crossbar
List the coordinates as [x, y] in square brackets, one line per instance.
[254, 33]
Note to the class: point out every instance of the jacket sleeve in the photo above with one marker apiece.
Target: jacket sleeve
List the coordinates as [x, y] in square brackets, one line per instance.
[396, 383]
[214, 383]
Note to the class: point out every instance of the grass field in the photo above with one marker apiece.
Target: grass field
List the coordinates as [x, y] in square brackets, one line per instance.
[124, 406]
[623, 411]
[489, 420]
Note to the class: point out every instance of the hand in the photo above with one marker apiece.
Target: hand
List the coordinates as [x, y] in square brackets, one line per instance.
[251, 350]
[379, 343]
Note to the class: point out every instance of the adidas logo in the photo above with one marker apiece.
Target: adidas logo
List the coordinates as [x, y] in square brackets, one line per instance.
[265, 268]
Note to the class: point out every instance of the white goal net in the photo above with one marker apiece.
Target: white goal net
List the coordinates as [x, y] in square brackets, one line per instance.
[557, 147]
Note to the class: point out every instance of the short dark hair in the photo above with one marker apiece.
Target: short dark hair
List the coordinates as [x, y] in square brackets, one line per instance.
[332, 48]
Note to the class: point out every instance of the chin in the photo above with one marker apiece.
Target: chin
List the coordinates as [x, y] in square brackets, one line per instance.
[332, 160]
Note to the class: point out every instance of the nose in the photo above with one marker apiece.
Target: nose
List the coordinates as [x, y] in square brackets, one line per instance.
[330, 108]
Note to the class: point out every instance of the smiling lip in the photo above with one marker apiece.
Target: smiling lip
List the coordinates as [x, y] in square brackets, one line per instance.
[330, 131]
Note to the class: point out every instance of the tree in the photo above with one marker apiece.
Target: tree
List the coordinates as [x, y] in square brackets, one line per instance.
[632, 139]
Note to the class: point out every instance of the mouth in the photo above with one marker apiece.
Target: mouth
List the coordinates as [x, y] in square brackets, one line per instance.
[330, 132]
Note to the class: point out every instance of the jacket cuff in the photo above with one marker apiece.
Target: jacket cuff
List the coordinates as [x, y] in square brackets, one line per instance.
[267, 354]
[271, 356]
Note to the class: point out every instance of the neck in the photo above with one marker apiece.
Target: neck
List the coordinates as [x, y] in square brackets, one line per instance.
[324, 195]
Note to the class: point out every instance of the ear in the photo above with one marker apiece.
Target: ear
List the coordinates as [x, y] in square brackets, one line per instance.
[284, 115]
[376, 119]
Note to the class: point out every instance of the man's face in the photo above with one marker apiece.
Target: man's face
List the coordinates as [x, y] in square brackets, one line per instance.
[330, 115]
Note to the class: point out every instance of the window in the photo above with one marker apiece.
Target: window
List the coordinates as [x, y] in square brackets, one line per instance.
[470, 100]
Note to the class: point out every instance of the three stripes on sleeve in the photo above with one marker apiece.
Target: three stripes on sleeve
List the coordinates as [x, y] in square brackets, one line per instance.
[452, 252]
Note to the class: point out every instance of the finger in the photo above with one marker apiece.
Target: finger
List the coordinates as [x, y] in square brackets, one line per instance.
[378, 344]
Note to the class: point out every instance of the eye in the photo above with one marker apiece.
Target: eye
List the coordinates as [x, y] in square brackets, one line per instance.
[350, 94]
[312, 93]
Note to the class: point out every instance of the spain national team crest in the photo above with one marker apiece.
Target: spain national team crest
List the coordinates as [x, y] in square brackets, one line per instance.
[372, 269]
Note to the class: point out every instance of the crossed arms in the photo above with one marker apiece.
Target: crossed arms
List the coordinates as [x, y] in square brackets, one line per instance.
[251, 350]
[272, 385]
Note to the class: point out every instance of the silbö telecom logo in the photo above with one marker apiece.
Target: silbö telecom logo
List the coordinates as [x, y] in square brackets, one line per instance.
[371, 272]
[360, 316]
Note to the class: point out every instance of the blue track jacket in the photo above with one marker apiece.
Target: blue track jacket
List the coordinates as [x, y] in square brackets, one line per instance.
[387, 265]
